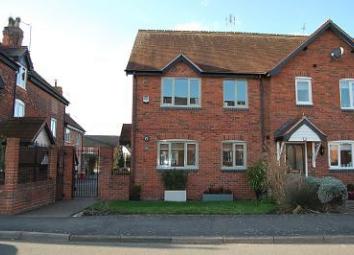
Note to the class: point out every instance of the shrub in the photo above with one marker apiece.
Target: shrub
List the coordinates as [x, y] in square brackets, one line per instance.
[313, 182]
[350, 187]
[256, 176]
[175, 180]
[332, 192]
[135, 193]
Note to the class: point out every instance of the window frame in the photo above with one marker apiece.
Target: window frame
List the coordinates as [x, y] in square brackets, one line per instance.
[169, 142]
[53, 120]
[351, 94]
[236, 106]
[19, 102]
[67, 135]
[173, 105]
[234, 167]
[309, 81]
[23, 83]
[339, 143]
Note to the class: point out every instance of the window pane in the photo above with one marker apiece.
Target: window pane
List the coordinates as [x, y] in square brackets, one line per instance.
[164, 155]
[303, 91]
[177, 150]
[241, 92]
[191, 149]
[229, 93]
[167, 91]
[194, 92]
[334, 155]
[344, 95]
[227, 154]
[181, 91]
[240, 157]
[346, 155]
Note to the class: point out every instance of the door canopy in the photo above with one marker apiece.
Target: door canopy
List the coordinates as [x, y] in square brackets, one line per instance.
[299, 130]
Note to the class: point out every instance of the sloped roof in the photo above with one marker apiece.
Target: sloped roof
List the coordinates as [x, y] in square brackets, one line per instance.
[125, 133]
[225, 52]
[101, 140]
[25, 128]
[289, 127]
[68, 120]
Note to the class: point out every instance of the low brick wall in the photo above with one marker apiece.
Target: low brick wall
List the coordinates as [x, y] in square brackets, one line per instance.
[111, 186]
[16, 198]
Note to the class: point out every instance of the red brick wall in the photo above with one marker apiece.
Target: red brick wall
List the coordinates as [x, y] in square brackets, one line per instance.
[111, 187]
[16, 198]
[7, 94]
[325, 112]
[209, 125]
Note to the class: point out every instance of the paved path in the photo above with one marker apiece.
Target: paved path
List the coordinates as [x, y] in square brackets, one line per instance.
[23, 248]
[262, 225]
[61, 208]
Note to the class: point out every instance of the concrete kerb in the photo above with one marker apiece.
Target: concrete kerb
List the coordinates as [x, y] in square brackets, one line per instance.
[56, 237]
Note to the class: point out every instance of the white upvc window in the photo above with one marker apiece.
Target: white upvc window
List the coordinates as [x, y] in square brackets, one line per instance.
[303, 90]
[180, 92]
[177, 154]
[346, 88]
[235, 94]
[67, 136]
[21, 78]
[53, 126]
[234, 155]
[20, 108]
[340, 155]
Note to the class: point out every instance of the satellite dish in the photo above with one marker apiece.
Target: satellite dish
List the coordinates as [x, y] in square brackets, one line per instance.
[337, 52]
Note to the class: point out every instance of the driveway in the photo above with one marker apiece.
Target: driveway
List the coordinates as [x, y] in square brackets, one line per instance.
[64, 208]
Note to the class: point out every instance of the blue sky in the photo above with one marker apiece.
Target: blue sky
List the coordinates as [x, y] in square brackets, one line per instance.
[85, 44]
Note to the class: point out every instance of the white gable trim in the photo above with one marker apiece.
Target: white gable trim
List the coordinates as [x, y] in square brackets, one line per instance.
[304, 133]
[42, 139]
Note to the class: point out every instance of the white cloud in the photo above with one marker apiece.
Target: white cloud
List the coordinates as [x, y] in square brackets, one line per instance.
[205, 3]
[193, 25]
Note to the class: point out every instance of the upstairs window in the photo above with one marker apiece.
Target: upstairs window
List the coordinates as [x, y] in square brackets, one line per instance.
[180, 92]
[19, 108]
[235, 94]
[21, 78]
[234, 155]
[53, 126]
[177, 154]
[346, 88]
[67, 135]
[303, 88]
[341, 154]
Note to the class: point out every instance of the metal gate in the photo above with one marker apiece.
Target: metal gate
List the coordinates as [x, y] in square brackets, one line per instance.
[85, 179]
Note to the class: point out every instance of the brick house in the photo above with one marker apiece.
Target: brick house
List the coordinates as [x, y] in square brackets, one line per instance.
[213, 103]
[31, 115]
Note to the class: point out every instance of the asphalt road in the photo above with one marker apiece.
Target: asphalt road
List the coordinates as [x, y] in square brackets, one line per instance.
[24, 248]
[139, 225]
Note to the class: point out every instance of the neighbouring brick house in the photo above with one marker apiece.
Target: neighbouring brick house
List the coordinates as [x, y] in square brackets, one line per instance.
[31, 129]
[74, 134]
[213, 103]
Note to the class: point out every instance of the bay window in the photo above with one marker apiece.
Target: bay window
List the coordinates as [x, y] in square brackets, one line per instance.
[234, 155]
[341, 154]
[180, 92]
[177, 154]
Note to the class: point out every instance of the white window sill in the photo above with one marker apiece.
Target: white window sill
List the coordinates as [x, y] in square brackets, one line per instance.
[304, 104]
[234, 169]
[347, 109]
[180, 106]
[187, 168]
[235, 107]
[341, 168]
[24, 88]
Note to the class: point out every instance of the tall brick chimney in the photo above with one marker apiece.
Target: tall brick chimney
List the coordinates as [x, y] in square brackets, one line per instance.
[12, 34]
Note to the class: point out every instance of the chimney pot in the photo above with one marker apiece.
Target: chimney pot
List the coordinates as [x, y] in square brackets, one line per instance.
[12, 34]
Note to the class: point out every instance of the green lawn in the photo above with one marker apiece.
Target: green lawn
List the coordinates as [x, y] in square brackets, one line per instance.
[195, 207]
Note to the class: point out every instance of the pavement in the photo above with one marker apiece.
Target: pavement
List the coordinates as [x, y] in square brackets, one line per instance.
[62, 209]
[26, 248]
[244, 226]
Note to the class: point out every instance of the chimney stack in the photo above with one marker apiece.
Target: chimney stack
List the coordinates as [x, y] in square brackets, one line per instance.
[12, 34]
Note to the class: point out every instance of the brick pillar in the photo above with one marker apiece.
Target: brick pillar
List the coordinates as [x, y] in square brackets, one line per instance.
[53, 159]
[11, 173]
[105, 172]
[69, 166]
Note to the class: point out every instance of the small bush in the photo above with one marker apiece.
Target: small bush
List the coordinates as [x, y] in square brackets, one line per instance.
[350, 187]
[135, 193]
[313, 182]
[332, 191]
[175, 180]
[256, 175]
